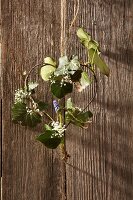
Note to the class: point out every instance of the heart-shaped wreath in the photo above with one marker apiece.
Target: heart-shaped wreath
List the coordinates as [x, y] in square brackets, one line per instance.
[64, 76]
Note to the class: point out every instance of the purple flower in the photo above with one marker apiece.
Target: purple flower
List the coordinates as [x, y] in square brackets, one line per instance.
[56, 105]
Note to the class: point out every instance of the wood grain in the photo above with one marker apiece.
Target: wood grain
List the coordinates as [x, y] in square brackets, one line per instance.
[101, 163]
[31, 31]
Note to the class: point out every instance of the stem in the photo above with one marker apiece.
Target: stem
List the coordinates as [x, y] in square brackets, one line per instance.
[48, 116]
[64, 152]
[60, 119]
[30, 71]
[95, 78]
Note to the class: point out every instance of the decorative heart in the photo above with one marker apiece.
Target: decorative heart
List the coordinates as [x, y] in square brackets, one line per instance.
[64, 76]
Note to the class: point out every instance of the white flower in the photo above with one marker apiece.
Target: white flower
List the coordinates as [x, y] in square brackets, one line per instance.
[20, 94]
[58, 128]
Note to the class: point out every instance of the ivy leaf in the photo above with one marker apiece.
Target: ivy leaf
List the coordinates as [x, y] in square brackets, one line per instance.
[93, 51]
[84, 37]
[50, 61]
[97, 60]
[49, 140]
[74, 64]
[76, 76]
[60, 91]
[60, 71]
[32, 119]
[85, 80]
[46, 72]
[78, 118]
[66, 66]
[63, 61]
[22, 116]
[19, 111]
[93, 44]
[85, 115]
[63, 66]
[47, 127]
[48, 69]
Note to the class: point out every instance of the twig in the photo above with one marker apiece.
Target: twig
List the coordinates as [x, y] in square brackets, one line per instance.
[30, 71]
[26, 86]
[95, 78]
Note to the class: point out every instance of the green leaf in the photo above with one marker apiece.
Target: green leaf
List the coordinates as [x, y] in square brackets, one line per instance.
[97, 60]
[61, 71]
[66, 66]
[48, 140]
[85, 115]
[63, 61]
[50, 61]
[46, 72]
[84, 37]
[76, 76]
[93, 51]
[48, 69]
[63, 66]
[22, 116]
[93, 45]
[85, 80]
[47, 127]
[76, 116]
[18, 111]
[32, 119]
[74, 64]
[60, 91]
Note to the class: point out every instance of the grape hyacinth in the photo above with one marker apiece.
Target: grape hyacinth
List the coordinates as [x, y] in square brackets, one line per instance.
[56, 105]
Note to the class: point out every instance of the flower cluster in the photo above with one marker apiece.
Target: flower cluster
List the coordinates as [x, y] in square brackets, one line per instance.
[31, 111]
[66, 79]
[58, 128]
[20, 95]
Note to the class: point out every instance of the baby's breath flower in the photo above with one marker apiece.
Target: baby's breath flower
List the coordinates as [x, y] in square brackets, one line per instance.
[58, 128]
[20, 94]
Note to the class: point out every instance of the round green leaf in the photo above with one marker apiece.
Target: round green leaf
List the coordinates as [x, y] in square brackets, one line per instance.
[46, 72]
[48, 141]
[99, 62]
[18, 111]
[84, 37]
[85, 80]
[32, 119]
[50, 61]
[63, 61]
[76, 76]
[60, 91]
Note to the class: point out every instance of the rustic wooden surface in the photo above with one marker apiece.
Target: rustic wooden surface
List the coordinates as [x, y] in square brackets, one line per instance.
[101, 163]
[31, 31]
[101, 166]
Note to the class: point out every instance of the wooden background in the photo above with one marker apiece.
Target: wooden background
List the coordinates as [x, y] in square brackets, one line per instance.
[101, 163]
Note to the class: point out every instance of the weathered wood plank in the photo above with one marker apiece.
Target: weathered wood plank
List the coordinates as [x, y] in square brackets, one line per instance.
[101, 163]
[31, 31]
